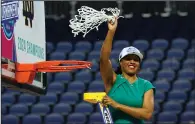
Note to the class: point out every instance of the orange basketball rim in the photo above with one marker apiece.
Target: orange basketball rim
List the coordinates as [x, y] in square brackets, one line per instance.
[25, 72]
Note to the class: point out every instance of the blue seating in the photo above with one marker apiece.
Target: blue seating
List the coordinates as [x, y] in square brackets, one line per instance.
[76, 118]
[10, 119]
[95, 66]
[167, 74]
[98, 76]
[32, 119]
[151, 64]
[189, 63]
[191, 53]
[55, 82]
[4, 110]
[96, 87]
[2, 90]
[142, 45]
[97, 108]
[49, 77]
[173, 107]
[57, 56]
[49, 46]
[12, 92]
[69, 97]
[97, 81]
[159, 96]
[27, 99]
[97, 46]
[85, 108]
[120, 44]
[187, 73]
[187, 117]
[62, 108]
[157, 54]
[54, 118]
[49, 98]
[178, 96]
[162, 85]
[83, 46]
[166, 117]
[171, 64]
[8, 99]
[190, 106]
[115, 54]
[180, 43]
[76, 56]
[76, 82]
[63, 76]
[55, 88]
[175, 53]
[18, 109]
[114, 63]
[96, 118]
[192, 95]
[182, 84]
[156, 107]
[160, 44]
[64, 46]
[78, 87]
[84, 75]
[94, 55]
[40, 109]
[146, 74]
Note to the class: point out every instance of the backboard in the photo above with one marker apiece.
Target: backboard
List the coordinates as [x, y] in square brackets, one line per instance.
[23, 41]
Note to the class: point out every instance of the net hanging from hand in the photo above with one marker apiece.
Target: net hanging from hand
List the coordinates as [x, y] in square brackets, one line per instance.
[89, 18]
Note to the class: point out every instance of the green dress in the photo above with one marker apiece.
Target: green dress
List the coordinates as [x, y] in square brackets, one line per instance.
[130, 95]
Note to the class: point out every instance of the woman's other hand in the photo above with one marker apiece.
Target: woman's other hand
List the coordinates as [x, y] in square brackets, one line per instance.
[108, 101]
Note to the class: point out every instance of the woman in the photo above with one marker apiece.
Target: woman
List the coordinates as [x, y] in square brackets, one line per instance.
[130, 98]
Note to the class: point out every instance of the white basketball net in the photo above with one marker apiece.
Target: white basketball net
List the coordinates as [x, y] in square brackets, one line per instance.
[89, 18]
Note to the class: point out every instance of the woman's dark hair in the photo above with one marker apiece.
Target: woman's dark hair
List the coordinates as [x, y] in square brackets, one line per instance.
[118, 70]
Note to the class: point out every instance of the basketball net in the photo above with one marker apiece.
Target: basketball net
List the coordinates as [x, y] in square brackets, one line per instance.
[89, 18]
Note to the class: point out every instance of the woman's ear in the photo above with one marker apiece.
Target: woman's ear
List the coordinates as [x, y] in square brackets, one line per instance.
[120, 63]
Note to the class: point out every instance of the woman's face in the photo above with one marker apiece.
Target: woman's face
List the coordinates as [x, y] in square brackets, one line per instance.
[130, 64]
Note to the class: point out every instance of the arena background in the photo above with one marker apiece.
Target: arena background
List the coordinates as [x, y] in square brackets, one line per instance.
[163, 31]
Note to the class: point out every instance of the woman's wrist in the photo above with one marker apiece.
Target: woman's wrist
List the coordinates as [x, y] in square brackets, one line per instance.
[111, 31]
[117, 106]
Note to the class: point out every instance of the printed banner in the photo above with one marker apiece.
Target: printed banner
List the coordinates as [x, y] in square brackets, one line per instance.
[105, 112]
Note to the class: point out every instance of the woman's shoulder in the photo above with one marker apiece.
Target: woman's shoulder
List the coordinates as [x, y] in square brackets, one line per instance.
[143, 80]
[147, 85]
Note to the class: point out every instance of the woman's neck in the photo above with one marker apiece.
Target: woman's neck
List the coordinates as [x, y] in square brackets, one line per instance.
[131, 79]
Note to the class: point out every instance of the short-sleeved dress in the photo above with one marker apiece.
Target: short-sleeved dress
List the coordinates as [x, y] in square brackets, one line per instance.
[128, 94]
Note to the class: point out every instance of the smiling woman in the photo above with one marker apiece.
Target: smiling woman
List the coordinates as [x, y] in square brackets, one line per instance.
[126, 55]
[129, 97]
